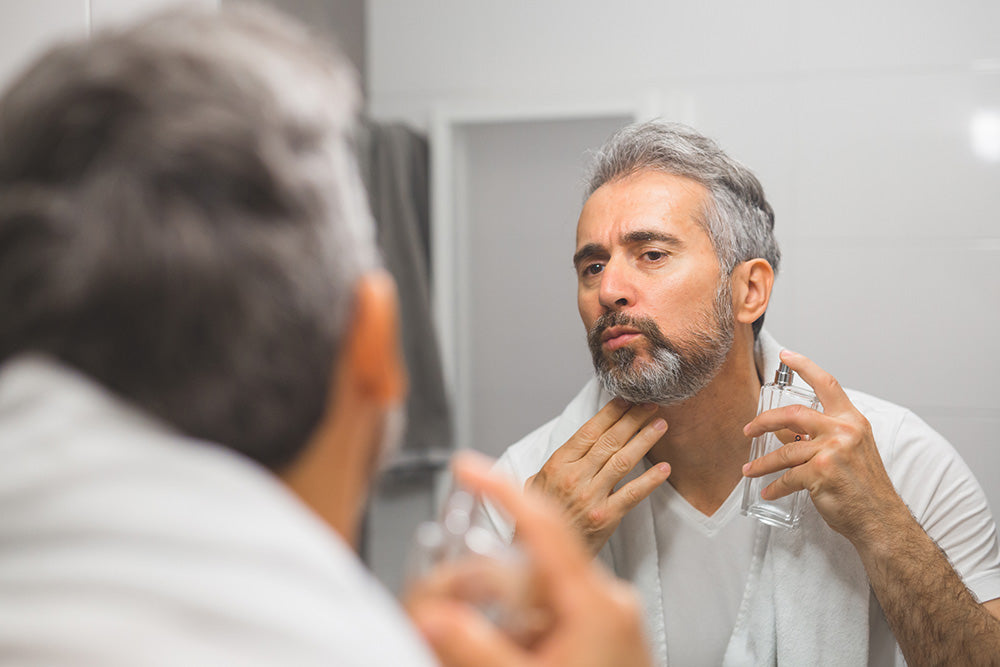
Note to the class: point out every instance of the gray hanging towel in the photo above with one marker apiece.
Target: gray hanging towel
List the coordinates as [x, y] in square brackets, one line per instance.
[395, 164]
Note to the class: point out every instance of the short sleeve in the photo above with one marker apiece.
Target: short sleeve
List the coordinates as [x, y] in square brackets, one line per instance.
[947, 500]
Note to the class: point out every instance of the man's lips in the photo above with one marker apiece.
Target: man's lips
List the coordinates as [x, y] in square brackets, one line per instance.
[616, 337]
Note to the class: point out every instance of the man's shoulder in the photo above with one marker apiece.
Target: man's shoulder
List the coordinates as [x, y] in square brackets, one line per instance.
[185, 529]
[888, 419]
[875, 407]
[905, 441]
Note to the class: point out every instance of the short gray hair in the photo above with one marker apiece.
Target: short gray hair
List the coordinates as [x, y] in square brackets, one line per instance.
[181, 218]
[738, 218]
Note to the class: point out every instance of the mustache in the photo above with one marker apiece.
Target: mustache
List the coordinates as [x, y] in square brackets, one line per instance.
[644, 325]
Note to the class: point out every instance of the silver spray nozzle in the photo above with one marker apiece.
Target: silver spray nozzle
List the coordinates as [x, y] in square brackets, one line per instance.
[784, 376]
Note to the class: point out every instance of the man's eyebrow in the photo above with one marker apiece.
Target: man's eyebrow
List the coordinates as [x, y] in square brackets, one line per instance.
[588, 251]
[630, 238]
[644, 236]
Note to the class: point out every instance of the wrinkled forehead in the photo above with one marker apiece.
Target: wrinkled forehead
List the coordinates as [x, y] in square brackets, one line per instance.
[645, 202]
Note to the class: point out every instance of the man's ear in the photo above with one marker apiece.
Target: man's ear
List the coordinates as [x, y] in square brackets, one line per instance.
[751, 282]
[333, 472]
[371, 351]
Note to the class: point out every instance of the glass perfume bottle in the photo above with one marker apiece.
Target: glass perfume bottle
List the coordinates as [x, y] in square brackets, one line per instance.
[485, 571]
[784, 512]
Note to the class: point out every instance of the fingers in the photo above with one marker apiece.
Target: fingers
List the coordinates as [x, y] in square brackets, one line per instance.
[787, 456]
[795, 418]
[828, 390]
[630, 495]
[585, 437]
[462, 637]
[619, 464]
[790, 482]
[618, 435]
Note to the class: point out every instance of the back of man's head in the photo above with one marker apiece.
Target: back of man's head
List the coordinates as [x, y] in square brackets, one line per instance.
[180, 219]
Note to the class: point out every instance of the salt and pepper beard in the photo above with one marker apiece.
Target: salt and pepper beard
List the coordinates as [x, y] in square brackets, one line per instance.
[677, 369]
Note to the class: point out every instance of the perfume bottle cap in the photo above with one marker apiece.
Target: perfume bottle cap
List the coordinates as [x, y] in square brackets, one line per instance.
[784, 376]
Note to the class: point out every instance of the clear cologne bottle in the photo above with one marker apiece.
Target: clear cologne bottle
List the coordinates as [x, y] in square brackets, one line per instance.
[784, 512]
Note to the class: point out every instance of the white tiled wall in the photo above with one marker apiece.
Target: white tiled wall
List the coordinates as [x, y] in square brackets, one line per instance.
[28, 27]
[857, 116]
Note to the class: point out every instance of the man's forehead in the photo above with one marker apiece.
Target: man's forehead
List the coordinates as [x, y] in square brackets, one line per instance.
[668, 226]
[645, 202]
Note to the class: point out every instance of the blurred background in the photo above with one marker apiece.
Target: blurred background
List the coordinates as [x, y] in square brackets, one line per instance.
[874, 126]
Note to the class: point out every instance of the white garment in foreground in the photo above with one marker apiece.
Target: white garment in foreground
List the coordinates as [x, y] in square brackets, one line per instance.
[124, 543]
[806, 598]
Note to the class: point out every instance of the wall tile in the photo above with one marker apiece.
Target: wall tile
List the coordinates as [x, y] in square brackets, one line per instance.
[453, 46]
[869, 35]
[912, 323]
[892, 156]
[28, 28]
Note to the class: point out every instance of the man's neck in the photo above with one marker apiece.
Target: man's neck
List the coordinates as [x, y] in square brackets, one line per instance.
[704, 443]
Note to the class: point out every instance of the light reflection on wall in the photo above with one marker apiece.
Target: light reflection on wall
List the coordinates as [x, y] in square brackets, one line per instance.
[984, 131]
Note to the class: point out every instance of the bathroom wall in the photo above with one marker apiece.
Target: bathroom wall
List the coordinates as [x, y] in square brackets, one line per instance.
[27, 28]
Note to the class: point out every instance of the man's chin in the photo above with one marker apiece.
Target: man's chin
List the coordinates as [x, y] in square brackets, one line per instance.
[626, 355]
[629, 392]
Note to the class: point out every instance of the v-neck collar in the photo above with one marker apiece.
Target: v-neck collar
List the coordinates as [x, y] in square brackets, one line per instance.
[669, 498]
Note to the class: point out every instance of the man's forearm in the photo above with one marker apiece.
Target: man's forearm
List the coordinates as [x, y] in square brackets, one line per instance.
[934, 617]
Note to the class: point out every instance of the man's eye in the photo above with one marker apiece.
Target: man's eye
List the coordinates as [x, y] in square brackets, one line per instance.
[592, 269]
[654, 255]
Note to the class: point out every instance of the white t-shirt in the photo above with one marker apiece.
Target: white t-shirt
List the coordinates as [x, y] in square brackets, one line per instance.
[704, 562]
[125, 543]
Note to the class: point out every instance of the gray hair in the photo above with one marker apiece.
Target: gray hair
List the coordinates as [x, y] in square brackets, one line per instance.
[181, 219]
[737, 216]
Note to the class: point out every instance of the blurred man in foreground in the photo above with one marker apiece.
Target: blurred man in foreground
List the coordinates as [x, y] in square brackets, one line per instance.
[199, 372]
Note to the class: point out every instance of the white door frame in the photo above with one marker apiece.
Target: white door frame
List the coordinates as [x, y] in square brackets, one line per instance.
[449, 232]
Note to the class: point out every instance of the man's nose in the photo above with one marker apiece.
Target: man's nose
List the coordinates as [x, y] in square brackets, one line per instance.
[617, 291]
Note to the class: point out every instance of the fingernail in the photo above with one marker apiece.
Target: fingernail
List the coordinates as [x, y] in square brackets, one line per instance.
[663, 467]
[746, 429]
[660, 424]
[746, 468]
